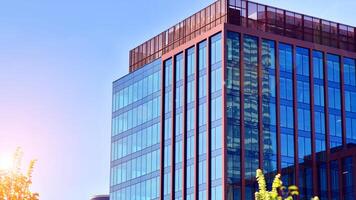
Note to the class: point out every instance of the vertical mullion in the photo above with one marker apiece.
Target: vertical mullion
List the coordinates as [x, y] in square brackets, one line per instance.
[260, 114]
[343, 121]
[343, 112]
[224, 124]
[327, 128]
[173, 139]
[196, 122]
[163, 71]
[184, 134]
[242, 120]
[278, 104]
[312, 117]
[208, 125]
[295, 110]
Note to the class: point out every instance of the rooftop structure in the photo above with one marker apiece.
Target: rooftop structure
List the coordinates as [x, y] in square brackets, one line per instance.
[246, 14]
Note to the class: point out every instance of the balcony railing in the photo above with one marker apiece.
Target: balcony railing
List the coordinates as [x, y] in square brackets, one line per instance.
[247, 14]
[295, 25]
[179, 34]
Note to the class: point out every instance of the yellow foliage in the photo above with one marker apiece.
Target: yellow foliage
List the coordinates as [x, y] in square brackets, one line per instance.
[13, 184]
[278, 190]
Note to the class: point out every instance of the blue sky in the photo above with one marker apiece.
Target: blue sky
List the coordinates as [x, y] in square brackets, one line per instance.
[57, 63]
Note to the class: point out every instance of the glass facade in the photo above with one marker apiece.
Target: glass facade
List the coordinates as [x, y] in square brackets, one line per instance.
[286, 113]
[230, 101]
[250, 63]
[168, 106]
[233, 116]
[136, 134]
[350, 99]
[202, 119]
[178, 125]
[190, 144]
[269, 109]
[320, 126]
[348, 181]
[304, 123]
[216, 117]
[334, 99]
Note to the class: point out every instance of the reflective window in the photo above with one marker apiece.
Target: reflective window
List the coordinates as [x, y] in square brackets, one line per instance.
[350, 99]
[319, 103]
[323, 182]
[168, 72]
[335, 180]
[304, 119]
[190, 91]
[350, 72]
[179, 101]
[131, 94]
[334, 97]
[202, 172]
[179, 67]
[190, 114]
[202, 85]
[216, 110]
[168, 106]
[130, 169]
[302, 61]
[190, 61]
[216, 193]
[250, 63]
[304, 123]
[318, 95]
[216, 52]
[216, 80]
[128, 120]
[202, 114]
[202, 55]
[135, 142]
[287, 112]
[318, 66]
[303, 91]
[333, 63]
[148, 189]
[348, 180]
[269, 109]
[233, 109]
[285, 58]
[216, 138]
[202, 119]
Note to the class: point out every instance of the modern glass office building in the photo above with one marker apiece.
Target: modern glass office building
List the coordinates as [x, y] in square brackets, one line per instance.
[236, 87]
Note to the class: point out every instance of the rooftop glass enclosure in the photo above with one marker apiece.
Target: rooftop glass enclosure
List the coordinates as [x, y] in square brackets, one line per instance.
[250, 15]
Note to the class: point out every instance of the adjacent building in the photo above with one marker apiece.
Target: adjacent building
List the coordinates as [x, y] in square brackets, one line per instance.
[101, 197]
[236, 87]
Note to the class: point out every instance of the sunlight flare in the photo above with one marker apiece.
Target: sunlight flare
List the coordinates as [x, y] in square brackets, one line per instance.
[6, 162]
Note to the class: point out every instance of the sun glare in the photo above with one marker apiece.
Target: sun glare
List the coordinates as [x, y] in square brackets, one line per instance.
[5, 162]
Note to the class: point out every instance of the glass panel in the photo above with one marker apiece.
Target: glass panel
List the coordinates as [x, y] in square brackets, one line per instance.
[286, 112]
[348, 180]
[127, 145]
[233, 115]
[269, 109]
[250, 107]
[350, 99]
[334, 97]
